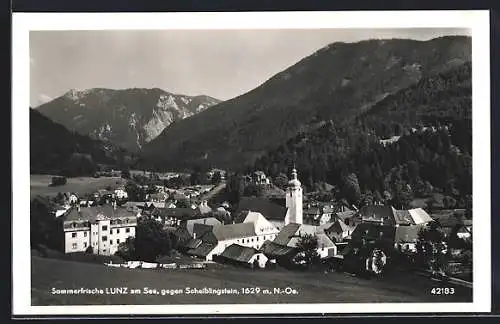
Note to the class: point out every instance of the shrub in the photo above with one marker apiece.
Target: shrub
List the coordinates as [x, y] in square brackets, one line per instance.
[58, 181]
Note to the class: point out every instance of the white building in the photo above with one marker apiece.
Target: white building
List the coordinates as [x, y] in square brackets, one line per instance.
[294, 200]
[121, 194]
[103, 228]
[260, 178]
[73, 199]
[253, 232]
[203, 207]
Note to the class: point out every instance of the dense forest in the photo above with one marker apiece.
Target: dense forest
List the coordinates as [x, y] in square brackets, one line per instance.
[433, 153]
[56, 150]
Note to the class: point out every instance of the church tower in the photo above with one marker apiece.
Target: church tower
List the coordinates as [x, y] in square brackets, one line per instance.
[294, 200]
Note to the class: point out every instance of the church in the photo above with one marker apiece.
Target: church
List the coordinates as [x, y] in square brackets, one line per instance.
[259, 221]
[279, 212]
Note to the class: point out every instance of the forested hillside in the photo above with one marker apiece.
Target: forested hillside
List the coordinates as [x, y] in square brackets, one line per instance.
[55, 150]
[433, 153]
[338, 82]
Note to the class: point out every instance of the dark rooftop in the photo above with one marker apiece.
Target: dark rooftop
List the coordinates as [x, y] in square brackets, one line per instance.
[227, 232]
[268, 208]
[202, 250]
[272, 249]
[180, 213]
[239, 253]
[98, 212]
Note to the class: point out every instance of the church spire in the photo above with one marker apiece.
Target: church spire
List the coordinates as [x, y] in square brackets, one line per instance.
[294, 182]
[294, 199]
[294, 173]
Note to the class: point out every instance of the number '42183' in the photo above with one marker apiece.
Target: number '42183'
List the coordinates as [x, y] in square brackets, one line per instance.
[443, 291]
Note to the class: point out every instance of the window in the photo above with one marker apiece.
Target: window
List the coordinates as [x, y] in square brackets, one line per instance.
[73, 234]
[84, 244]
[104, 238]
[74, 246]
[127, 230]
[104, 251]
[117, 231]
[111, 231]
[258, 257]
[118, 241]
[110, 241]
[104, 227]
[84, 234]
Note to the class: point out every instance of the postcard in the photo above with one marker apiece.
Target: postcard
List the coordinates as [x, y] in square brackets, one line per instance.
[251, 163]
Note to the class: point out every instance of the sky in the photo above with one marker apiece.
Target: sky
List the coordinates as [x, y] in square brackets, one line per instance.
[218, 63]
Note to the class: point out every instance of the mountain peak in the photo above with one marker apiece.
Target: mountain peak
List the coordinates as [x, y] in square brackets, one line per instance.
[126, 117]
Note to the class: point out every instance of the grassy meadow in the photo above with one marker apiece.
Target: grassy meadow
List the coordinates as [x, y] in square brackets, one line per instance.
[311, 287]
[39, 184]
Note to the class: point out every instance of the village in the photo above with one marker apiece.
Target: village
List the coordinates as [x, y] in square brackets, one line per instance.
[284, 229]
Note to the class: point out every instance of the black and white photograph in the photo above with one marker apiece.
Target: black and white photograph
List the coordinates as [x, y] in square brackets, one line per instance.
[251, 163]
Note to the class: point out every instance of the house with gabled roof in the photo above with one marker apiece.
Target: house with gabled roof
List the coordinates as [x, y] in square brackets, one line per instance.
[252, 232]
[278, 252]
[317, 215]
[390, 227]
[260, 178]
[203, 207]
[198, 226]
[202, 250]
[159, 197]
[388, 215]
[338, 231]
[292, 233]
[242, 256]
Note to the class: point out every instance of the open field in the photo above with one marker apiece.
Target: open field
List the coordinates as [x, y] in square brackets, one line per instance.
[310, 287]
[39, 184]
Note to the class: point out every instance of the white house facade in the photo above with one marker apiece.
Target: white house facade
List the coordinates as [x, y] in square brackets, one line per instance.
[253, 232]
[102, 228]
[121, 194]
